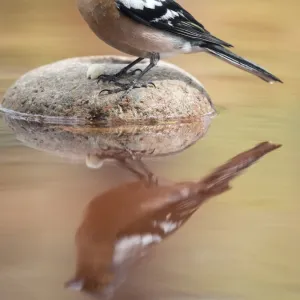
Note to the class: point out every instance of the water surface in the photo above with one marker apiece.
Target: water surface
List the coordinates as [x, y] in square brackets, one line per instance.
[241, 245]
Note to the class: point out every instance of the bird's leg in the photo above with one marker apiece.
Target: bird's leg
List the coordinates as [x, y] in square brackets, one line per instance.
[124, 71]
[127, 87]
[149, 175]
[139, 169]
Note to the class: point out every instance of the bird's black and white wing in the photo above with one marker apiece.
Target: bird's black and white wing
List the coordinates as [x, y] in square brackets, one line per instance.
[163, 222]
[169, 16]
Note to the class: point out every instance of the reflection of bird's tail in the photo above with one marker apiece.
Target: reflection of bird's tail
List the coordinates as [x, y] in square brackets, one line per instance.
[239, 62]
[192, 194]
[218, 181]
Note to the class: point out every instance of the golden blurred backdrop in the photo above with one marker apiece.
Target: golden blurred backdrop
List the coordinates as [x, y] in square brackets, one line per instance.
[243, 245]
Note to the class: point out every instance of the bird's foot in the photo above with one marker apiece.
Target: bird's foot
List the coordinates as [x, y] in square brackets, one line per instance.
[95, 72]
[115, 78]
[126, 88]
[107, 78]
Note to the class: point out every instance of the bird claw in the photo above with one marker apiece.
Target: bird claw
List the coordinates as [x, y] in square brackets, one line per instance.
[149, 84]
[126, 88]
[116, 77]
[106, 90]
[135, 85]
[107, 78]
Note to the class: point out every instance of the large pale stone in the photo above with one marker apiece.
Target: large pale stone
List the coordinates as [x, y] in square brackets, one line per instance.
[62, 89]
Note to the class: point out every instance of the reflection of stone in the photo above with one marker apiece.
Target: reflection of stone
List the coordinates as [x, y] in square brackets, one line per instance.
[121, 225]
[83, 143]
[62, 89]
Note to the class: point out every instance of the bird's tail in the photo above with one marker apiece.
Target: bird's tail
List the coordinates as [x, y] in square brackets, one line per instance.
[191, 195]
[218, 181]
[239, 62]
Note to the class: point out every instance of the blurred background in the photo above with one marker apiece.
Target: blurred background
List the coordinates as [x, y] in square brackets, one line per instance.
[243, 245]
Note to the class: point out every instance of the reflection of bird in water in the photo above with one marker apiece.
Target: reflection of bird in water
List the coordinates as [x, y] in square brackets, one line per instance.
[122, 224]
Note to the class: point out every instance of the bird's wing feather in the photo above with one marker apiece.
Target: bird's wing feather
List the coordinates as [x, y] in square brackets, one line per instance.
[169, 16]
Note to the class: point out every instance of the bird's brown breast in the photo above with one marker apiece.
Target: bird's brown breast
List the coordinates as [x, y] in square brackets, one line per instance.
[123, 33]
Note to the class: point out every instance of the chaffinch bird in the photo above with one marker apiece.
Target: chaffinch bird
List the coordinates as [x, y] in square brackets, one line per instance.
[120, 225]
[154, 29]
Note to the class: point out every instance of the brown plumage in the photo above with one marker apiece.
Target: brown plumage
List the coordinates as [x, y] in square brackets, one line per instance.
[123, 33]
[154, 29]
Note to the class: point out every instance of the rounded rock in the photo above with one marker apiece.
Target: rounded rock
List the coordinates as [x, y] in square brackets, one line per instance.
[63, 90]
